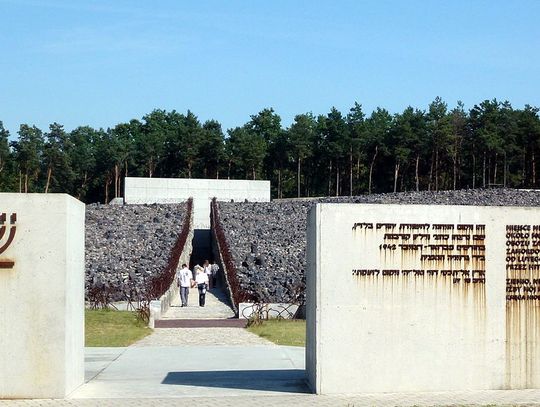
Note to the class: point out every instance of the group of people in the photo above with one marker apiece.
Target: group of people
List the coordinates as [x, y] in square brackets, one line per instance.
[205, 278]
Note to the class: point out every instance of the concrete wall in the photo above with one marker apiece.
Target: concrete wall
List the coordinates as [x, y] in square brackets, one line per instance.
[222, 274]
[42, 296]
[173, 190]
[422, 298]
[161, 306]
[173, 291]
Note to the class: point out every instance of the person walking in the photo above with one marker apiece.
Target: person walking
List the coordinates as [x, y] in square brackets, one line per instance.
[201, 279]
[208, 271]
[215, 268]
[184, 277]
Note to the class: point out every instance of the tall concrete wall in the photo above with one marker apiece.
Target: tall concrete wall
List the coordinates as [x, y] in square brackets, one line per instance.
[220, 257]
[159, 307]
[422, 298]
[173, 190]
[41, 295]
[167, 298]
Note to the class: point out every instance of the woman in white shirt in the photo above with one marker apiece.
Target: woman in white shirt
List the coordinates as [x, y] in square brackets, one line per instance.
[208, 271]
[201, 279]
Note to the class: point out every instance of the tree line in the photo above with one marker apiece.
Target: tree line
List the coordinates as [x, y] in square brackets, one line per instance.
[351, 153]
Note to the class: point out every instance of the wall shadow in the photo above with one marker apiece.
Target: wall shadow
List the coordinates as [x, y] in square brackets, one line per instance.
[202, 247]
[279, 380]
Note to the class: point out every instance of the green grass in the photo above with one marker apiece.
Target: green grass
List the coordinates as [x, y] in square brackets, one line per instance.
[282, 331]
[113, 328]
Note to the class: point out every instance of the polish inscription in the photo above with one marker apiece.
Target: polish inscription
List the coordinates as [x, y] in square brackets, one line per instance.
[522, 263]
[455, 251]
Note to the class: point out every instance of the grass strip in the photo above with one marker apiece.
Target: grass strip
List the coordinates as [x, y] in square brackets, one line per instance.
[110, 328]
[287, 332]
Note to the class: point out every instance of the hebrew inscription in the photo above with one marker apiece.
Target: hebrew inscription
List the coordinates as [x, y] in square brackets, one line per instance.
[455, 251]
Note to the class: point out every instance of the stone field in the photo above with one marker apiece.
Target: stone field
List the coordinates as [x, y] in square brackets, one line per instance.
[125, 245]
[268, 239]
[128, 244]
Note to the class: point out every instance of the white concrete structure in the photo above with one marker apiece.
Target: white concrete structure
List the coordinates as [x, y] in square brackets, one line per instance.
[408, 298]
[41, 295]
[174, 190]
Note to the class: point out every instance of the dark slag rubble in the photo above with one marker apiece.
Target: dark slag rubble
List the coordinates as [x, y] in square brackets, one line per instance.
[127, 244]
[268, 240]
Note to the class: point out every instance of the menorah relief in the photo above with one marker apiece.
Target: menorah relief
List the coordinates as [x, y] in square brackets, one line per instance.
[5, 242]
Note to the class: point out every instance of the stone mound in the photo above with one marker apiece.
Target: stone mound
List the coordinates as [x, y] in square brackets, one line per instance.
[268, 240]
[126, 245]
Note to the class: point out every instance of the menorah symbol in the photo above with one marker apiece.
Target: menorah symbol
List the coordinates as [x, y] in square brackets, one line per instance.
[7, 264]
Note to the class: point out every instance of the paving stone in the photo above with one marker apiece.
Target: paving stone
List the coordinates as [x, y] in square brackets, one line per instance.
[473, 398]
[202, 337]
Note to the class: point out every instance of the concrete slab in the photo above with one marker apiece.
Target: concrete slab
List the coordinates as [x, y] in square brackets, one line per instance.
[41, 295]
[417, 314]
[97, 359]
[187, 371]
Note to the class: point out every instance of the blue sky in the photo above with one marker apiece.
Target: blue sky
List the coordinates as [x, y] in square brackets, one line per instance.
[99, 63]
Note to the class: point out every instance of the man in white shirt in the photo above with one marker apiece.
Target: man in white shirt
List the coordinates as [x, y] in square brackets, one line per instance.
[184, 276]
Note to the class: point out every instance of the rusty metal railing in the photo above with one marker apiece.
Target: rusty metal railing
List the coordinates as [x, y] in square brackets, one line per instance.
[265, 311]
[238, 295]
[161, 282]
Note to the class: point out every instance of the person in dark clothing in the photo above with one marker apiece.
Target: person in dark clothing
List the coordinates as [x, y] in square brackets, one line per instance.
[201, 279]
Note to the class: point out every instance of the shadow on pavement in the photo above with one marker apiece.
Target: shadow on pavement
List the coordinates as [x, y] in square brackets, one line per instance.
[279, 380]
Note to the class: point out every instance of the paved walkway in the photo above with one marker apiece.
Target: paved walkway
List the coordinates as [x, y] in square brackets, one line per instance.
[216, 307]
[202, 337]
[228, 370]
[187, 371]
[486, 398]
[226, 376]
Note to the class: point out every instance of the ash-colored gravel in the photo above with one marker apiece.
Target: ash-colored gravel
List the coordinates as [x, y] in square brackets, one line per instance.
[128, 244]
[268, 239]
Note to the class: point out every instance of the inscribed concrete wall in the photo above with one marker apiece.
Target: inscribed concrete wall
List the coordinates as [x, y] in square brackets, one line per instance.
[41, 295]
[172, 190]
[422, 298]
